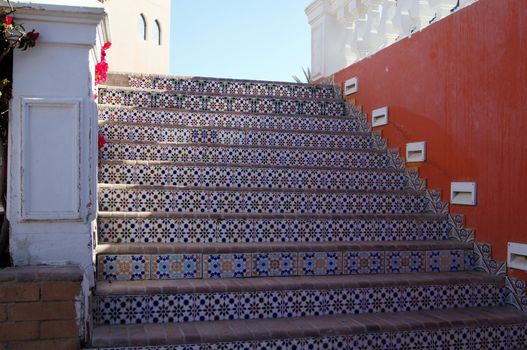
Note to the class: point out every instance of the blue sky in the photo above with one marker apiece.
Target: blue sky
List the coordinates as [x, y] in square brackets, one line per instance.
[252, 39]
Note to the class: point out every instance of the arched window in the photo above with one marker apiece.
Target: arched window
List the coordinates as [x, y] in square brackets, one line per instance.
[141, 27]
[156, 33]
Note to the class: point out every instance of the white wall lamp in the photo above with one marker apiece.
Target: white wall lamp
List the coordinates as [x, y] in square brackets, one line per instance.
[517, 256]
[351, 86]
[415, 152]
[463, 193]
[379, 117]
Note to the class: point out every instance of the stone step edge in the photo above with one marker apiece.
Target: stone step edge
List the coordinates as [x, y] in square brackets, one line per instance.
[346, 117]
[177, 188]
[363, 134]
[303, 327]
[235, 285]
[213, 94]
[247, 166]
[277, 148]
[263, 216]
[113, 75]
[276, 247]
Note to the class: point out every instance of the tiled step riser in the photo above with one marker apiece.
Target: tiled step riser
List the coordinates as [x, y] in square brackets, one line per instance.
[245, 156]
[249, 88]
[237, 121]
[491, 337]
[196, 265]
[193, 307]
[239, 138]
[116, 96]
[265, 178]
[194, 230]
[256, 202]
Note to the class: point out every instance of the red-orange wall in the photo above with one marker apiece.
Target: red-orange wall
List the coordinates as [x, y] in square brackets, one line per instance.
[461, 86]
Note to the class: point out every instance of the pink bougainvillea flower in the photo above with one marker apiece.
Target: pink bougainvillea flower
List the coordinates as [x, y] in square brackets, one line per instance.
[101, 68]
[8, 20]
[101, 141]
[33, 35]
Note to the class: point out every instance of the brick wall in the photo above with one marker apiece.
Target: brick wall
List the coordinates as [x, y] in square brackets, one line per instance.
[40, 308]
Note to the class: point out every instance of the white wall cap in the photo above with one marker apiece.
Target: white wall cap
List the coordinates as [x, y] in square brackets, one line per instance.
[314, 10]
[78, 6]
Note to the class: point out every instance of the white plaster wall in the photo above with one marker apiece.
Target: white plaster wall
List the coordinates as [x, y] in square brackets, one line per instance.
[129, 52]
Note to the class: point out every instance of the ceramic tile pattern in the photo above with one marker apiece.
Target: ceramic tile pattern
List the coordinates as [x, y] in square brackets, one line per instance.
[195, 102]
[176, 266]
[194, 307]
[238, 138]
[245, 156]
[143, 173]
[253, 162]
[229, 87]
[201, 230]
[210, 201]
[267, 122]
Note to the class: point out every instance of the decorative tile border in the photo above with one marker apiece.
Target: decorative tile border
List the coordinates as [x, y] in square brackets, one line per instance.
[248, 177]
[516, 293]
[245, 156]
[234, 265]
[240, 138]
[213, 103]
[232, 87]
[258, 202]
[481, 257]
[196, 230]
[192, 307]
[269, 122]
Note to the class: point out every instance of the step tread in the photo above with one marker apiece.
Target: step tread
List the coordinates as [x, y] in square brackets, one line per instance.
[103, 106]
[219, 145]
[145, 287]
[169, 163]
[170, 188]
[221, 216]
[312, 326]
[364, 134]
[113, 75]
[174, 248]
[212, 94]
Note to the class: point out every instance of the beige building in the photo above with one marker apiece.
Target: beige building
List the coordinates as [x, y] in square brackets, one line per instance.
[140, 31]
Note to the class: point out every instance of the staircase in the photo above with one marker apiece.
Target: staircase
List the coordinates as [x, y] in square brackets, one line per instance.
[263, 215]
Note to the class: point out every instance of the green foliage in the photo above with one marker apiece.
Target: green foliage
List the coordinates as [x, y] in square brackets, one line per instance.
[307, 76]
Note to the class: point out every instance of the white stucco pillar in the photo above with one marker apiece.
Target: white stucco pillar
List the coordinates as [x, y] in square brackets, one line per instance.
[328, 40]
[53, 135]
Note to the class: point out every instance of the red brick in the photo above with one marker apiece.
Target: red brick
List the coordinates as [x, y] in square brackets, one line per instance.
[57, 344]
[17, 292]
[59, 329]
[18, 331]
[59, 291]
[61, 310]
[3, 312]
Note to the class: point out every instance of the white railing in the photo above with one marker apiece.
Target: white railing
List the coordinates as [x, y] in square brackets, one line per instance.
[346, 31]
